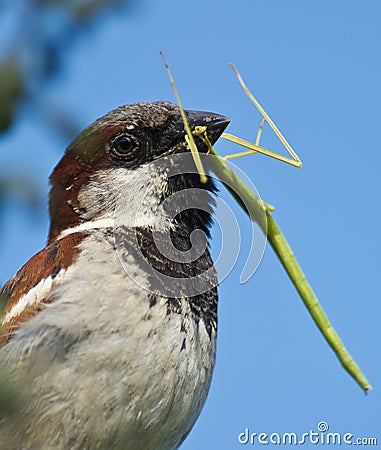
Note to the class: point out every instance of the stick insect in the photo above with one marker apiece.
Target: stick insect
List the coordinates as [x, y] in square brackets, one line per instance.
[274, 234]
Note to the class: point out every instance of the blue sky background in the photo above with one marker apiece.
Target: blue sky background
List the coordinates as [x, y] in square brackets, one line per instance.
[316, 68]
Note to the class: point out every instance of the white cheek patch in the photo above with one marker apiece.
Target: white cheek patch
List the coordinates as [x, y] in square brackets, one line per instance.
[123, 197]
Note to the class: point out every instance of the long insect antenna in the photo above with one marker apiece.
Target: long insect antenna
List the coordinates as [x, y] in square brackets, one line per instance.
[259, 133]
[189, 136]
[255, 148]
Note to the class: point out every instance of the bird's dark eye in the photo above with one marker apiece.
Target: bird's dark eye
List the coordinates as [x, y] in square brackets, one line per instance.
[123, 146]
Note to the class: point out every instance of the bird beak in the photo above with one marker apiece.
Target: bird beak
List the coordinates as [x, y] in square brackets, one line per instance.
[215, 125]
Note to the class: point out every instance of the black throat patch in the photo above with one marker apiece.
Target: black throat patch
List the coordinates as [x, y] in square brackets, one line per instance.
[194, 281]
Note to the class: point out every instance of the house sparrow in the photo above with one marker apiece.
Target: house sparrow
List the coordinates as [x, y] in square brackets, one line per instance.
[104, 353]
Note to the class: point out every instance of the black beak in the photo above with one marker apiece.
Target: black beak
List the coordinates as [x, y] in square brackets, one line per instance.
[215, 125]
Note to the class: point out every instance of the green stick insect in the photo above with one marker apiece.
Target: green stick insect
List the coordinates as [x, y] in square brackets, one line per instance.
[271, 229]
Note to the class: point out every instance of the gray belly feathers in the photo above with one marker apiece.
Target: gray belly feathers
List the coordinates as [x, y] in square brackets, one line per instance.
[120, 365]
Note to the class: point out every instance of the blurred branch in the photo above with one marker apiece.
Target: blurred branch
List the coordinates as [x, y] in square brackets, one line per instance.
[22, 187]
[18, 184]
[33, 53]
[10, 92]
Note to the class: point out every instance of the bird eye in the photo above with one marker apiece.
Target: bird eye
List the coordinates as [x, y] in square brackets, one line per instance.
[123, 146]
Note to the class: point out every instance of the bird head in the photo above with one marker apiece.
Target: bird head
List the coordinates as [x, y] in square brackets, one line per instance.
[112, 157]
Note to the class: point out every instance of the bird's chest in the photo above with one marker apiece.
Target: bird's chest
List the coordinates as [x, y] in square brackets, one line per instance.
[149, 376]
[125, 364]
